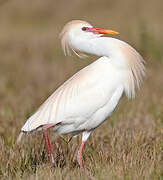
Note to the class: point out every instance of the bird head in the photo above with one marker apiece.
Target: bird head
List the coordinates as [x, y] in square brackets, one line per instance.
[81, 30]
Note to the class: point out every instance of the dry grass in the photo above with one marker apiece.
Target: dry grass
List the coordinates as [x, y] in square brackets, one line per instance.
[127, 146]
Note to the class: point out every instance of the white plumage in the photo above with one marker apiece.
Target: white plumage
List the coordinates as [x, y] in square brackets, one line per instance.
[79, 100]
[89, 97]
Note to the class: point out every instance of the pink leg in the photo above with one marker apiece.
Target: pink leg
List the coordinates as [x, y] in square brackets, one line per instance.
[79, 156]
[45, 132]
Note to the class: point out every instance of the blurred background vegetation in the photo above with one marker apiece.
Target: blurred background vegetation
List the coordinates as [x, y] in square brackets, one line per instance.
[32, 64]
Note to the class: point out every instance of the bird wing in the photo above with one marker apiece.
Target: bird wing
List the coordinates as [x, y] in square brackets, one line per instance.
[75, 101]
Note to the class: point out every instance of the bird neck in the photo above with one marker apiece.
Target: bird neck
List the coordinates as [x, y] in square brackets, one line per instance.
[101, 46]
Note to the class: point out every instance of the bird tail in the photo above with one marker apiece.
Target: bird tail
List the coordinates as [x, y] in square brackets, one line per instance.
[19, 137]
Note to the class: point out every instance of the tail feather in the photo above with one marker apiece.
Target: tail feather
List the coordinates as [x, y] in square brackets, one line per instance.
[19, 137]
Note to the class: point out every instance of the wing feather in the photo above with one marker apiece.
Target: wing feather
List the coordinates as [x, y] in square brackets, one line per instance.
[73, 102]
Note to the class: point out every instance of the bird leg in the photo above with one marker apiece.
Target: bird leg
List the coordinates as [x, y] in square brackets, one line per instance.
[85, 136]
[79, 156]
[45, 132]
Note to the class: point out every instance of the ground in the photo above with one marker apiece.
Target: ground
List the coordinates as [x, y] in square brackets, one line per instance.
[129, 145]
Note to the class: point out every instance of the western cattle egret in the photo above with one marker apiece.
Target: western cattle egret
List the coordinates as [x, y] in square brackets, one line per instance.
[90, 96]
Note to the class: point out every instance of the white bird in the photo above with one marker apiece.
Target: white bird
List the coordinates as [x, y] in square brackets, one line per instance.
[90, 96]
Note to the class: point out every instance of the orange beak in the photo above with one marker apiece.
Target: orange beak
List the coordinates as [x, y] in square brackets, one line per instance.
[102, 31]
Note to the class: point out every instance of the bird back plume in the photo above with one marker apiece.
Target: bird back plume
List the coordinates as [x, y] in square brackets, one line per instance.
[136, 68]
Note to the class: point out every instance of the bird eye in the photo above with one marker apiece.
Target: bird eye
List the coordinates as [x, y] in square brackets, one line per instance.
[84, 28]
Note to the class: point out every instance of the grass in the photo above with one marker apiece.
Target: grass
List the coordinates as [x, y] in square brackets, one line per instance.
[32, 65]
